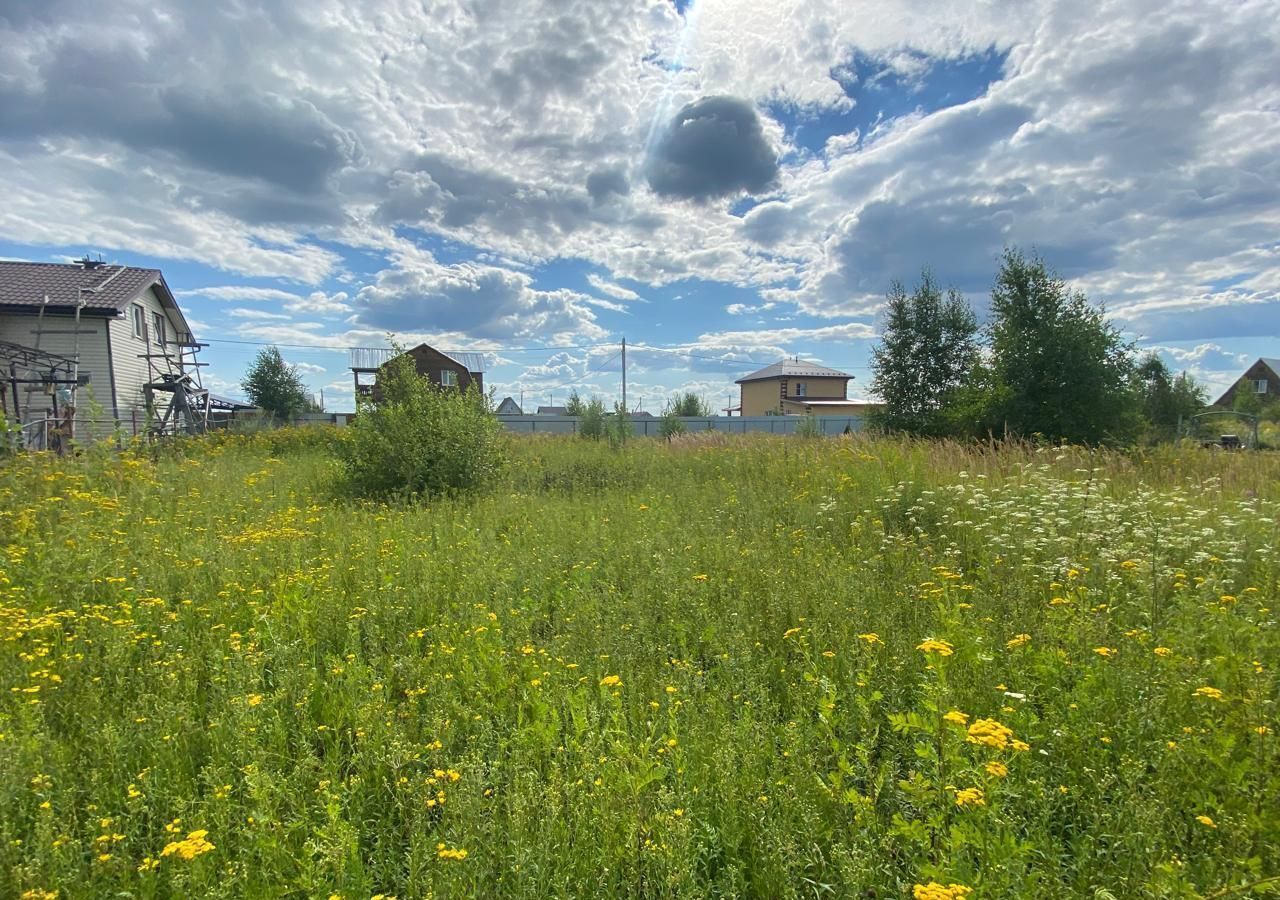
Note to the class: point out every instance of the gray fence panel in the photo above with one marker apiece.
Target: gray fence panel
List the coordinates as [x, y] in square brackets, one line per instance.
[831, 425]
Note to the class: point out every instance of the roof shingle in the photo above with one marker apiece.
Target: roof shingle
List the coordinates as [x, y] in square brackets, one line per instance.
[102, 287]
[789, 368]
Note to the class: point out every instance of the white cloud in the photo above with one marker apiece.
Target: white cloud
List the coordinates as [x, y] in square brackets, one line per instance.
[616, 291]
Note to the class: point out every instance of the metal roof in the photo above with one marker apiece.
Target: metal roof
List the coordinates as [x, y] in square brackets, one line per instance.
[473, 361]
[1271, 363]
[789, 368]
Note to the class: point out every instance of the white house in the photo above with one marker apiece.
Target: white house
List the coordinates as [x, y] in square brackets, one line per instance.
[114, 329]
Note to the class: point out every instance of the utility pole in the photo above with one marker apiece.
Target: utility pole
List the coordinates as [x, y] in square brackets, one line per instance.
[522, 401]
[624, 373]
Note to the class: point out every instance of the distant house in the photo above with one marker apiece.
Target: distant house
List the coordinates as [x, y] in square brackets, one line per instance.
[793, 387]
[509, 407]
[454, 370]
[116, 330]
[552, 411]
[1261, 379]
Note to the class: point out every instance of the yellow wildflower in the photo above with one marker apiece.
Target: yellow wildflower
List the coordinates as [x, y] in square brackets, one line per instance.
[1206, 821]
[942, 648]
[1162, 651]
[1017, 641]
[935, 891]
[790, 632]
[870, 638]
[1211, 692]
[955, 717]
[194, 845]
[699, 577]
[970, 797]
[253, 699]
[1105, 651]
[611, 681]
[457, 854]
[997, 769]
[990, 733]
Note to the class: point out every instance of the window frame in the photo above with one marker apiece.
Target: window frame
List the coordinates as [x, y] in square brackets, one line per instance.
[448, 378]
[802, 389]
[138, 320]
[158, 321]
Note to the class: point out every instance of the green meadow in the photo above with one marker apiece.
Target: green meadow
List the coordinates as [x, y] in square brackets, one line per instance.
[717, 667]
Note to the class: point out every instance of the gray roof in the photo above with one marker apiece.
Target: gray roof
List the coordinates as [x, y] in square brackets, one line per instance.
[103, 287]
[511, 406]
[551, 411]
[1271, 363]
[473, 361]
[789, 368]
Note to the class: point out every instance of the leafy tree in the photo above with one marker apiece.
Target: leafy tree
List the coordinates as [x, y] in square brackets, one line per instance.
[591, 425]
[421, 438]
[923, 358]
[1059, 368]
[1166, 400]
[689, 404]
[575, 406]
[275, 386]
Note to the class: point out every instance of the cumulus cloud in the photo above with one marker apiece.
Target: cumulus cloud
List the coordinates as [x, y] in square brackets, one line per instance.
[713, 147]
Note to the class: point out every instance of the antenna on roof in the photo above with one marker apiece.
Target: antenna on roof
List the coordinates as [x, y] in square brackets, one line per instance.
[89, 263]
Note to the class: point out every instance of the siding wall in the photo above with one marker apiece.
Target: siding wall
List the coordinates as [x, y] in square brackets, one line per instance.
[127, 352]
[21, 329]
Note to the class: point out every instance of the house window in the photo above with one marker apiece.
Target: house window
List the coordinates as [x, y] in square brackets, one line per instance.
[449, 378]
[1260, 386]
[139, 321]
[802, 389]
[157, 326]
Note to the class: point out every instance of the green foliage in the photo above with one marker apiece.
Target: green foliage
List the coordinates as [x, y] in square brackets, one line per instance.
[1166, 399]
[923, 358]
[422, 439]
[1060, 368]
[809, 426]
[275, 386]
[575, 406]
[670, 426]
[592, 425]
[619, 426]
[685, 670]
[689, 405]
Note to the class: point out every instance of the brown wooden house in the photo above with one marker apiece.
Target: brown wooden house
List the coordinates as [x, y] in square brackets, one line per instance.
[450, 370]
[1261, 379]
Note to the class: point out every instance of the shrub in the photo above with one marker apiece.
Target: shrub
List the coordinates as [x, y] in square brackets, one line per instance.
[592, 424]
[420, 438]
[671, 425]
[809, 427]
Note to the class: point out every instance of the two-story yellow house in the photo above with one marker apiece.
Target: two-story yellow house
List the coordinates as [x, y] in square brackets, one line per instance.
[793, 387]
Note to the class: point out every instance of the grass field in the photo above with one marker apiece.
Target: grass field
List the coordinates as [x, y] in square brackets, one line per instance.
[764, 668]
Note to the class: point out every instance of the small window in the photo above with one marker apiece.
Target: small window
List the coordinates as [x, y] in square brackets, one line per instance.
[139, 321]
[1260, 386]
[449, 378]
[802, 389]
[157, 326]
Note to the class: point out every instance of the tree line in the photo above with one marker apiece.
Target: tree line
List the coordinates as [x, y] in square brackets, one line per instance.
[1048, 364]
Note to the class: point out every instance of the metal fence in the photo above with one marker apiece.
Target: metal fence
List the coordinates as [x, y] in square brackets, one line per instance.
[722, 424]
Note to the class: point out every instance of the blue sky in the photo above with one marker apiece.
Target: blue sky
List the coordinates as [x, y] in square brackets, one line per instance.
[722, 182]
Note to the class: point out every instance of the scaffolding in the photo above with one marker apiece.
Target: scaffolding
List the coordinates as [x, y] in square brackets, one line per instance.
[176, 398]
[39, 371]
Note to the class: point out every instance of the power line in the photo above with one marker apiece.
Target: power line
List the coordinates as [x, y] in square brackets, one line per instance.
[502, 350]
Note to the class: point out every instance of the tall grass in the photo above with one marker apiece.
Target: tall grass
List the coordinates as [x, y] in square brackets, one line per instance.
[720, 666]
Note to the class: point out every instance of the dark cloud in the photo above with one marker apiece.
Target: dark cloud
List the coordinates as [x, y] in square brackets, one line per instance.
[603, 182]
[99, 91]
[1214, 320]
[713, 147]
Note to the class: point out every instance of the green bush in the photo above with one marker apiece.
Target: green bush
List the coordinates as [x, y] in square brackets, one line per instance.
[592, 423]
[422, 439]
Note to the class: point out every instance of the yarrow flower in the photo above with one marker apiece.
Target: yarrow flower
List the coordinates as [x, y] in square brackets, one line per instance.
[990, 733]
[935, 891]
[942, 648]
[194, 845]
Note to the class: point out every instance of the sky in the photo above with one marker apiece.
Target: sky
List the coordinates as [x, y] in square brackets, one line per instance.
[720, 182]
